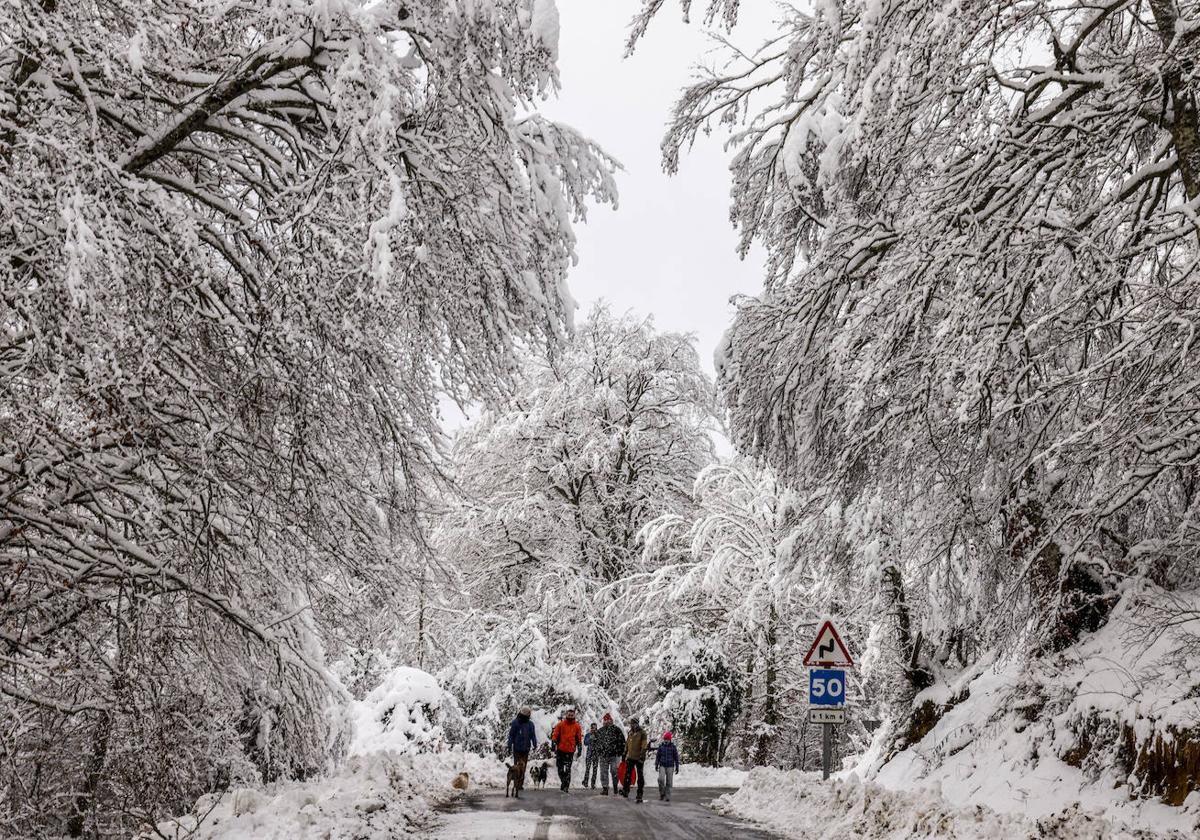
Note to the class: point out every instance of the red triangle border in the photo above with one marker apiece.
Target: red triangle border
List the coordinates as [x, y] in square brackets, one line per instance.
[849, 663]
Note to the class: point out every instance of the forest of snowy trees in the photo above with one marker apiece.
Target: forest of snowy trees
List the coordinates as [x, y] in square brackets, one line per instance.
[247, 248]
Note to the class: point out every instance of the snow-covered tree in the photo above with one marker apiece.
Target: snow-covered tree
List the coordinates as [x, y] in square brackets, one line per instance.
[242, 248]
[702, 692]
[751, 571]
[980, 301]
[602, 438]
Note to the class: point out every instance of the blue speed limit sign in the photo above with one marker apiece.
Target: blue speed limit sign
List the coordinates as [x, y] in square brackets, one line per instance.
[826, 687]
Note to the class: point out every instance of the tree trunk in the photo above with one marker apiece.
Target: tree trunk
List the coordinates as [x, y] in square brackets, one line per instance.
[893, 583]
[770, 714]
[85, 799]
[1184, 124]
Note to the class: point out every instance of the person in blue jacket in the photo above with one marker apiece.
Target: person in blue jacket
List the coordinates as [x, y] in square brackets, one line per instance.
[666, 761]
[592, 759]
[522, 738]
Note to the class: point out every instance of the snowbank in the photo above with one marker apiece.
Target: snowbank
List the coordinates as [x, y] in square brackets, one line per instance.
[800, 805]
[377, 796]
[696, 775]
[1069, 732]
[407, 712]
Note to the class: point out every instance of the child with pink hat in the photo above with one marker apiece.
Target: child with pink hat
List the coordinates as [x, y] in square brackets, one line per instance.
[666, 762]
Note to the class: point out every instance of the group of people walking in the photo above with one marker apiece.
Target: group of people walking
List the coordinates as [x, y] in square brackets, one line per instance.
[610, 754]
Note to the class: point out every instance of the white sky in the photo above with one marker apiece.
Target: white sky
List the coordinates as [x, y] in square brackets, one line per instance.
[669, 250]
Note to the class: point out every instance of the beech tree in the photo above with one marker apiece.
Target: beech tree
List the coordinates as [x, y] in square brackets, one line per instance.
[979, 306]
[602, 438]
[243, 246]
[730, 571]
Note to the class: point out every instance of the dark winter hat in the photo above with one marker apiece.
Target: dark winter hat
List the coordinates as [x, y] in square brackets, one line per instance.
[633, 721]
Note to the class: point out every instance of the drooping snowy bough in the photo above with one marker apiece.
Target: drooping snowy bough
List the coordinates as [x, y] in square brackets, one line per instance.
[242, 247]
[979, 321]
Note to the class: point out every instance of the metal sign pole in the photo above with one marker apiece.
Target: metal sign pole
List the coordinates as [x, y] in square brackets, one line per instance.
[826, 749]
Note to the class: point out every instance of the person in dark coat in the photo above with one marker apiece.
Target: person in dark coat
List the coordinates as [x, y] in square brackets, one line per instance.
[522, 738]
[609, 745]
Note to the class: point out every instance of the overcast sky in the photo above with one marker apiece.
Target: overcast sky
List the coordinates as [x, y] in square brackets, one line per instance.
[669, 250]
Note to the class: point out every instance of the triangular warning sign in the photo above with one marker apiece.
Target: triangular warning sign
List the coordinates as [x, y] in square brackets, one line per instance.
[828, 650]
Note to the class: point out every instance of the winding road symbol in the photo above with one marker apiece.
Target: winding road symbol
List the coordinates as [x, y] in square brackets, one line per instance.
[828, 650]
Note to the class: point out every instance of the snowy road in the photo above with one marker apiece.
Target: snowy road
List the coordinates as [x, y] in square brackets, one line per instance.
[549, 815]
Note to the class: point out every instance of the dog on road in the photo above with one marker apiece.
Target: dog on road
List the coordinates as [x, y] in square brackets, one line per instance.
[513, 781]
[538, 774]
[462, 781]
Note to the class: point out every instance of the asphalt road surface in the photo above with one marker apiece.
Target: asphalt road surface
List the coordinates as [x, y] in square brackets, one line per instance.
[585, 814]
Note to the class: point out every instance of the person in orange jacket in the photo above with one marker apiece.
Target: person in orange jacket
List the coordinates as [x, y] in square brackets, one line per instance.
[567, 738]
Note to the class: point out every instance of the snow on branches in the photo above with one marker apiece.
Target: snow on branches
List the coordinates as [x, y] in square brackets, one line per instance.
[980, 301]
[602, 438]
[242, 247]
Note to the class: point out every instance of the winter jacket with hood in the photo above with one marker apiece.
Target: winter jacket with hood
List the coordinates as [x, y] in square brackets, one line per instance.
[522, 735]
[637, 743]
[667, 755]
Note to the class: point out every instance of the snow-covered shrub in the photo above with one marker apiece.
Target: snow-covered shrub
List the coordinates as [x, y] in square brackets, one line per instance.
[362, 668]
[701, 695]
[407, 712]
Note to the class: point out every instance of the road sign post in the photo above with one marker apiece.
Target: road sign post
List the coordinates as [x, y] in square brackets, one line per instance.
[827, 687]
[826, 750]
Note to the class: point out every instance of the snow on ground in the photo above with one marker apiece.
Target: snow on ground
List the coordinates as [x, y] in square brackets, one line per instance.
[407, 711]
[1011, 741]
[695, 775]
[799, 805]
[376, 796]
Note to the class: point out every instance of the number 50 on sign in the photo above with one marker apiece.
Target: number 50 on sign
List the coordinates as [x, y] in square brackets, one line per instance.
[826, 687]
